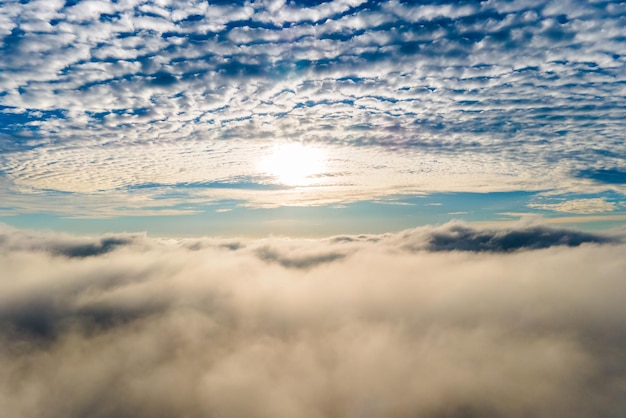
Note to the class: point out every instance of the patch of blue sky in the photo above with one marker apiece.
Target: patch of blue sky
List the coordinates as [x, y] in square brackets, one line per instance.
[443, 207]
[16, 120]
[130, 112]
[231, 217]
[604, 175]
[179, 189]
[20, 131]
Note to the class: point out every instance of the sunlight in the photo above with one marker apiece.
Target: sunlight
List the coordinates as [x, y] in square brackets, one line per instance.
[294, 164]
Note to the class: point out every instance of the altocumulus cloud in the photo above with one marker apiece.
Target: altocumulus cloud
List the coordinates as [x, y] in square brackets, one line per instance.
[442, 95]
[385, 327]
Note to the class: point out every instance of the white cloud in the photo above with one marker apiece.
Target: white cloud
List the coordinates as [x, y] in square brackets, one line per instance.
[579, 206]
[376, 330]
[493, 94]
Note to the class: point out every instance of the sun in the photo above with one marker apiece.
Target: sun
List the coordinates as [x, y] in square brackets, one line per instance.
[294, 164]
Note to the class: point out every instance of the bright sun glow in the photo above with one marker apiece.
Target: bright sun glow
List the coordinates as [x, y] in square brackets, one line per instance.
[295, 164]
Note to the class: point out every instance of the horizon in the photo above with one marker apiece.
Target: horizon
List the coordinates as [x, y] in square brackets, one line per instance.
[313, 209]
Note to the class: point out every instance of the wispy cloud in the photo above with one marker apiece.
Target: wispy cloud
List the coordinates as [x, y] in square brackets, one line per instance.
[578, 206]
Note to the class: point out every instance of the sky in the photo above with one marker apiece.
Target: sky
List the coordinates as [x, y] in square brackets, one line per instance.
[240, 118]
[313, 209]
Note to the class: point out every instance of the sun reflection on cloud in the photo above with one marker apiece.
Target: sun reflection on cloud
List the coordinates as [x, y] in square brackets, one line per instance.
[295, 164]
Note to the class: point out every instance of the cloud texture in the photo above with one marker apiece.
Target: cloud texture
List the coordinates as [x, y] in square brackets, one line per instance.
[121, 102]
[371, 326]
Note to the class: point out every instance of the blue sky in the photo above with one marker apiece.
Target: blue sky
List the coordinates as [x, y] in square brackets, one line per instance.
[310, 118]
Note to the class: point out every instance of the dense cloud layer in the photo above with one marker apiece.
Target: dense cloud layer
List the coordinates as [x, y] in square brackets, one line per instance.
[431, 96]
[369, 326]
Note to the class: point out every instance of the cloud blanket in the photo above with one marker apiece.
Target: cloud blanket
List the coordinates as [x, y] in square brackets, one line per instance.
[447, 321]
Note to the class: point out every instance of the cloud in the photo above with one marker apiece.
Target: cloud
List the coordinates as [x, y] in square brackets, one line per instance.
[12, 239]
[204, 327]
[460, 237]
[487, 96]
[580, 206]
[298, 261]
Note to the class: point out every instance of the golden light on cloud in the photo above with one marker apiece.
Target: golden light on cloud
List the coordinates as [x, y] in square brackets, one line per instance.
[295, 164]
